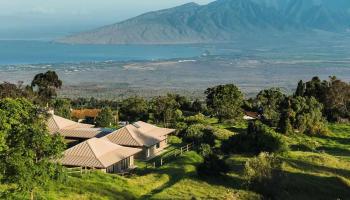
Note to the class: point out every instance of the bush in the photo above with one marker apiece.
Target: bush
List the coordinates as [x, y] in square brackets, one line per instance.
[259, 138]
[205, 150]
[197, 119]
[174, 140]
[212, 166]
[263, 174]
[200, 133]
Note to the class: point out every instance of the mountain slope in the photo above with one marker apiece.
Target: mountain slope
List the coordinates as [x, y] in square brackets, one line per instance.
[222, 20]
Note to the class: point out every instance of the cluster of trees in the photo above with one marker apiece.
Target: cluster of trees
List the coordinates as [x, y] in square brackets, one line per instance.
[27, 149]
[333, 94]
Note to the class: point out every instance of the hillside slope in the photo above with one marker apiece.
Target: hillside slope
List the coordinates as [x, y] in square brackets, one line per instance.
[221, 21]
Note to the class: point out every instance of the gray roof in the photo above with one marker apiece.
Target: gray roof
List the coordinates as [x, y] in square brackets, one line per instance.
[69, 128]
[97, 153]
[139, 134]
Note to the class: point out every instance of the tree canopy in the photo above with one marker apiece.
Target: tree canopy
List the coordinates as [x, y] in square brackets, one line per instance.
[27, 149]
[225, 102]
[45, 84]
[105, 118]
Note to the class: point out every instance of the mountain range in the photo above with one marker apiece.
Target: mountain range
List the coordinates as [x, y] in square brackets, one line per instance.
[223, 21]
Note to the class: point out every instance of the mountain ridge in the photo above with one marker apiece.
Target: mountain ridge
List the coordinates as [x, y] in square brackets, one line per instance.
[222, 21]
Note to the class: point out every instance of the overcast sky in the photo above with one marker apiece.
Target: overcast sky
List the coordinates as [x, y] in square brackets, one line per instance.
[47, 19]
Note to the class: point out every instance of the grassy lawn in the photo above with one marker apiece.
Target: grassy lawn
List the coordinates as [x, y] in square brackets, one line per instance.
[315, 168]
[176, 180]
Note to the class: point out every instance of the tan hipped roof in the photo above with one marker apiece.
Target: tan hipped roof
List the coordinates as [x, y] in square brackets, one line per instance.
[97, 153]
[69, 128]
[139, 134]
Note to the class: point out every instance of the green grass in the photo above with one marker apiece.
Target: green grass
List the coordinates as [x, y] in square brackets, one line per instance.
[315, 168]
[176, 180]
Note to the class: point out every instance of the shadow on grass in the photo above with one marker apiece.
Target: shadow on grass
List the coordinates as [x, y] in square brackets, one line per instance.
[305, 186]
[237, 130]
[340, 140]
[335, 151]
[176, 170]
[308, 167]
[302, 147]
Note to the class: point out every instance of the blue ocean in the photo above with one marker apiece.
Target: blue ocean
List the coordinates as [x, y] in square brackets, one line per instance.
[35, 52]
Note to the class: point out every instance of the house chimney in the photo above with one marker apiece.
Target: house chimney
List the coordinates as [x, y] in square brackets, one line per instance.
[51, 111]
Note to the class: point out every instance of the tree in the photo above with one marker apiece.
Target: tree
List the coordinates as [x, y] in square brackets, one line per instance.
[9, 90]
[134, 109]
[337, 100]
[270, 101]
[197, 106]
[165, 109]
[105, 118]
[333, 94]
[46, 84]
[27, 149]
[303, 114]
[258, 138]
[300, 91]
[225, 102]
[62, 108]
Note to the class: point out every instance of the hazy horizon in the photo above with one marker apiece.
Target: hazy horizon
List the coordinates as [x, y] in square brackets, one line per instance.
[48, 19]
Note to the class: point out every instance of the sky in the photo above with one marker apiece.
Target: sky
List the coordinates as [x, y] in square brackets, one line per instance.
[49, 19]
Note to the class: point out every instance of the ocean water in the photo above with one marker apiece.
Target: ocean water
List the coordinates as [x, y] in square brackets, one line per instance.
[36, 52]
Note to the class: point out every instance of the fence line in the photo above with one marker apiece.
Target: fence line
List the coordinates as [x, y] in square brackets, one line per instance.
[79, 170]
[172, 154]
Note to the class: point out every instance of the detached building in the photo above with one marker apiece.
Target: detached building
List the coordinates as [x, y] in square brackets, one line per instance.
[99, 153]
[151, 139]
[72, 130]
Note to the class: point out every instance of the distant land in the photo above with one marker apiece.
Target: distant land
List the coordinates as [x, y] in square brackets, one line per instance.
[224, 21]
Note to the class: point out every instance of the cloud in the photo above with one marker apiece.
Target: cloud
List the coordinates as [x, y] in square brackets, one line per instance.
[42, 10]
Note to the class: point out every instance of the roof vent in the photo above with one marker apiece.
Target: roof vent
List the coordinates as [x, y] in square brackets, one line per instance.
[136, 125]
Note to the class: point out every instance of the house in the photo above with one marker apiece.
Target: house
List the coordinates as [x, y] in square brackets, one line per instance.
[87, 115]
[251, 115]
[151, 139]
[74, 131]
[101, 154]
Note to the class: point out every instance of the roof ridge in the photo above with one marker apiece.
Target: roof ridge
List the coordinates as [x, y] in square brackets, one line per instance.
[94, 153]
[130, 133]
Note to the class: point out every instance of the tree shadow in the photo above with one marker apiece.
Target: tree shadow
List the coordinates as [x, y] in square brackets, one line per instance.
[237, 130]
[340, 140]
[174, 176]
[306, 186]
[308, 167]
[335, 151]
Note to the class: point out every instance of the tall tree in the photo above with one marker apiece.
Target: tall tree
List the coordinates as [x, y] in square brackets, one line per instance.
[27, 148]
[304, 114]
[105, 118]
[337, 101]
[225, 102]
[270, 101]
[46, 84]
[134, 109]
[165, 109]
[62, 108]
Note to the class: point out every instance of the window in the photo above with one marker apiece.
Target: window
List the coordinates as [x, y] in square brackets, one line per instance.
[147, 153]
[158, 146]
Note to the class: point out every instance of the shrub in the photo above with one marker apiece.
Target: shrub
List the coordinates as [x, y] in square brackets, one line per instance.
[259, 138]
[174, 140]
[205, 150]
[211, 166]
[197, 119]
[263, 174]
